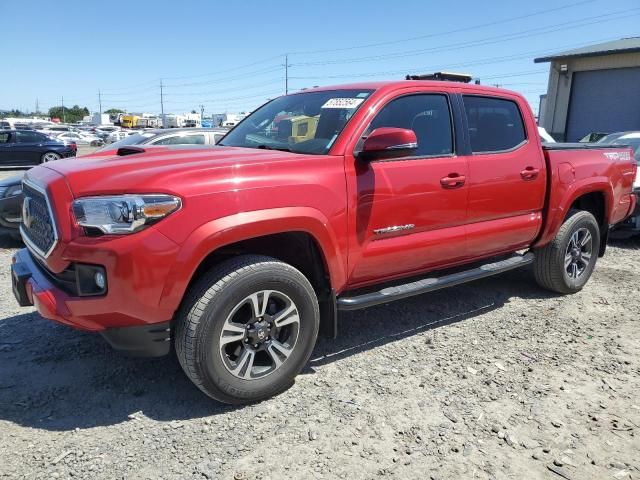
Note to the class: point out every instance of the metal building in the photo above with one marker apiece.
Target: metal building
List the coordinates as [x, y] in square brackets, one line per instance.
[592, 89]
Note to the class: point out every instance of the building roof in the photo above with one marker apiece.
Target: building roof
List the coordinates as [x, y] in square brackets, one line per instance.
[624, 45]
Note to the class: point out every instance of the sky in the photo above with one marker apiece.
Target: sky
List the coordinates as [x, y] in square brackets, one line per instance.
[230, 56]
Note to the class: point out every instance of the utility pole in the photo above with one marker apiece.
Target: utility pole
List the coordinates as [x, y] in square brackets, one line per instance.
[286, 74]
[100, 103]
[37, 106]
[201, 112]
[164, 123]
[63, 116]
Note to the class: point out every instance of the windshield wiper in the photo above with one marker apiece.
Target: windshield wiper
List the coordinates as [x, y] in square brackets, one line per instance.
[267, 147]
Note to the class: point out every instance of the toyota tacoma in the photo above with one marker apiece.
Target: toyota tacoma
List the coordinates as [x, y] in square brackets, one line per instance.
[331, 199]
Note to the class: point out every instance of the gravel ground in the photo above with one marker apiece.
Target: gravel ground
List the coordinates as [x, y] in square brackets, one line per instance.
[494, 379]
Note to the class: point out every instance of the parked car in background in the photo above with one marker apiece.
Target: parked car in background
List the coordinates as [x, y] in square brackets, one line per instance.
[631, 226]
[186, 136]
[82, 138]
[173, 136]
[117, 135]
[106, 128]
[592, 137]
[56, 129]
[28, 147]
[11, 205]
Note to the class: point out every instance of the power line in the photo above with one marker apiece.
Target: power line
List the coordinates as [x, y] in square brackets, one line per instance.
[480, 62]
[224, 80]
[483, 41]
[271, 81]
[218, 72]
[449, 32]
[216, 100]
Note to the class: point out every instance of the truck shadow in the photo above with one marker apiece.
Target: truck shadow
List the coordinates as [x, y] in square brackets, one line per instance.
[59, 379]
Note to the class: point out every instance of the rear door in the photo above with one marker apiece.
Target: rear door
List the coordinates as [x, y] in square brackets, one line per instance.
[407, 217]
[27, 148]
[507, 178]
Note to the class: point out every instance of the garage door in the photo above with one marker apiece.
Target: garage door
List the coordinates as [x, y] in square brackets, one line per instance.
[604, 101]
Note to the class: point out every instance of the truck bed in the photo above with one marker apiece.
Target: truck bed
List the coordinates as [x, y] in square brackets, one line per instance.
[577, 169]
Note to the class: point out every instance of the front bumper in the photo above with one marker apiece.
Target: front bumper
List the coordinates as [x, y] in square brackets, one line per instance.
[128, 315]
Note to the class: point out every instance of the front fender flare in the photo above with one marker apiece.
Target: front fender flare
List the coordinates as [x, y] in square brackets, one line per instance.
[223, 231]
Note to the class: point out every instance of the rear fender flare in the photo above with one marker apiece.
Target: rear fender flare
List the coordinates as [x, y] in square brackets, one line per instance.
[558, 210]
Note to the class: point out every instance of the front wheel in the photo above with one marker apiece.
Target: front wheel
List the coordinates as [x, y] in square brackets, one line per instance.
[566, 264]
[247, 328]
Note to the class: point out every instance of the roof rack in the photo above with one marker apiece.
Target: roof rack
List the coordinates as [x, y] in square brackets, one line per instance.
[443, 76]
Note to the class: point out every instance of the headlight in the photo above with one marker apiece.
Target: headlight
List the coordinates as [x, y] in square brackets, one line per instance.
[123, 214]
[13, 190]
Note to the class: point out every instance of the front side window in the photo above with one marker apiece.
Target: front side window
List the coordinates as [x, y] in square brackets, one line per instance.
[495, 124]
[428, 115]
[307, 122]
[5, 137]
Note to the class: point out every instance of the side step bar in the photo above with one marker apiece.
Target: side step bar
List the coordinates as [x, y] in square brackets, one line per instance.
[425, 285]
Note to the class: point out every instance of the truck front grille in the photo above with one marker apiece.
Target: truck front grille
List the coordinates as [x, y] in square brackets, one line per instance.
[38, 228]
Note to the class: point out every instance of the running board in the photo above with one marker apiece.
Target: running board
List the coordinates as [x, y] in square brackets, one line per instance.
[431, 284]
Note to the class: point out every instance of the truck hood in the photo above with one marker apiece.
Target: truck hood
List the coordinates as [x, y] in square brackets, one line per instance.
[161, 169]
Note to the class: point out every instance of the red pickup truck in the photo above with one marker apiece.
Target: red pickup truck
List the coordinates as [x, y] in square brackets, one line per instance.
[330, 199]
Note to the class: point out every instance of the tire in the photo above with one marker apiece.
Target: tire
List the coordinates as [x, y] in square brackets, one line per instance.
[216, 354]
[550, 265]
[50, 157]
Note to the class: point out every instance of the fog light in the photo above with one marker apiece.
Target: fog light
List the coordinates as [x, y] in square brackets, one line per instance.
[100, 280]
[90, 279]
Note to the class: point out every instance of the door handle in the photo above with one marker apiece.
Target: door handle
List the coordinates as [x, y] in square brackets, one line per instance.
[453, 180]
[530, 173]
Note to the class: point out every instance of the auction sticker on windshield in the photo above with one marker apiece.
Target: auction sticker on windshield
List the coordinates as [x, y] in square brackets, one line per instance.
[343, 102]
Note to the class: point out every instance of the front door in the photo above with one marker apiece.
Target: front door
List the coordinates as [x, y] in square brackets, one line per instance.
[6, 142]
[408, 213]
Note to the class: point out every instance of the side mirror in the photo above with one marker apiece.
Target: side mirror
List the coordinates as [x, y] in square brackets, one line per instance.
[389, 142]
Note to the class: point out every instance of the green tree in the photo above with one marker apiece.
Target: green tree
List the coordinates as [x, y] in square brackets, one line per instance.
[114, 111]
[70, 114]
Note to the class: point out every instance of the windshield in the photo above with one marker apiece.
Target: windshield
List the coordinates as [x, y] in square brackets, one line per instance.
[616, 138]
[306, 122]
[135, 139]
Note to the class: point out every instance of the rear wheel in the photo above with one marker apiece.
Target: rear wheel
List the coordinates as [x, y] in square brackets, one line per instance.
[566, 264]
[50, 157]
[247, 328]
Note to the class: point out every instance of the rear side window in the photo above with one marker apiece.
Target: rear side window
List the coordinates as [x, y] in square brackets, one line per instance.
[30, 137]
[495, 124]
[5, 137]
[428, 115]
